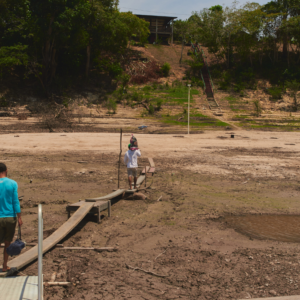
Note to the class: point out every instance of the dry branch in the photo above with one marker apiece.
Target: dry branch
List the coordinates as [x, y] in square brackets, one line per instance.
[148, 272]
[91, 248]
[160, 253]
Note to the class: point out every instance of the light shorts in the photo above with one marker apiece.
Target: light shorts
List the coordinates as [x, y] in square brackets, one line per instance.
[132, 172]
[7, 229]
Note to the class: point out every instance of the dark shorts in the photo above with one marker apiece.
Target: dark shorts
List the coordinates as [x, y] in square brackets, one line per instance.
[7, 229]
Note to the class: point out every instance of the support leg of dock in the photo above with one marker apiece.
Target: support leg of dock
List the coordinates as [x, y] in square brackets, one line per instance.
[109, 208]
[99, 216]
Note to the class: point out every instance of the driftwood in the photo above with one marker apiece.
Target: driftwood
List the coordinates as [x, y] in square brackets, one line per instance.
[159, 198]
[53, 277]
[57, 283]
[148, 272]
[91, 248]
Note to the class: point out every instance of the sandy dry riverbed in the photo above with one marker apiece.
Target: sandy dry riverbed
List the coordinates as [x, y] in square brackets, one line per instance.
[184, 238]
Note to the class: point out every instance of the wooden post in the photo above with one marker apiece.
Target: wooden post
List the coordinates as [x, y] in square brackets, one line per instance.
[156, 32]
[172, 32]
[99, 215]
[109, 208]
[120, 158]
[145, 175]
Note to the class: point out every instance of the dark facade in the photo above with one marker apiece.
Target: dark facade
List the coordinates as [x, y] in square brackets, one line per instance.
[161, 28]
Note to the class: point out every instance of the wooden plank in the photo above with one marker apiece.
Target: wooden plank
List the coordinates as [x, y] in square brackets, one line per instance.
[102, 205]
[151, 170]
[107, 197]
[140, 180]
[131, 191]
[151, 162]
[30, 255]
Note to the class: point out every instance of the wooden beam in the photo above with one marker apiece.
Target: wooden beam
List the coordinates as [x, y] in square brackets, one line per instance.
[151, 162]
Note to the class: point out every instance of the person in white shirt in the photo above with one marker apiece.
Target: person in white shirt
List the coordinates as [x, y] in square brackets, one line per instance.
[131, 160]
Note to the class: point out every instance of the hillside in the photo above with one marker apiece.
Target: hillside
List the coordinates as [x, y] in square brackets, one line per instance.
[88, 111]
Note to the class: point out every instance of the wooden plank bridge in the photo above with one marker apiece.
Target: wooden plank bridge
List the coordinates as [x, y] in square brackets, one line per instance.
[81, 209]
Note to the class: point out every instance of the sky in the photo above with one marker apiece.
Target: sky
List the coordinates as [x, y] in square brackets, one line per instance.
[174, 8]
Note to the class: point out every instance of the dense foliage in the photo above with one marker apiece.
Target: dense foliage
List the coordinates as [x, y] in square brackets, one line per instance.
[53, 39]
[249, 40]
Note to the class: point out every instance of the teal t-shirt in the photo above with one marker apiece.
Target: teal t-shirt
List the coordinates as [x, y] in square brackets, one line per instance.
[9, 201]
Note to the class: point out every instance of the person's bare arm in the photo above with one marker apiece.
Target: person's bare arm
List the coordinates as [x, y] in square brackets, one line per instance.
[20, 222]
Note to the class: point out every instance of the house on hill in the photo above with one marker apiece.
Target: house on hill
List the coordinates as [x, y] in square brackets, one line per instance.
[161, 28]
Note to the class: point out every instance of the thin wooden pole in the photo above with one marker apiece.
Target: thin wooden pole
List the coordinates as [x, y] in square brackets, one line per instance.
[189, 95]
[172, 32]
[120, 158]
[156, 32]
[145, 175]
[109, 208]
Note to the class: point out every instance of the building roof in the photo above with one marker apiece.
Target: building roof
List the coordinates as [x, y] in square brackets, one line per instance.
[157, 17]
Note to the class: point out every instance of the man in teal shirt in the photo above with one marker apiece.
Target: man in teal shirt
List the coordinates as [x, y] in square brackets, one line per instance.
[9, 209]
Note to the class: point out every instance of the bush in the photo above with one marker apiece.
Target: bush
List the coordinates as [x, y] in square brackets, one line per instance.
[226, 80]
[115, 70]
[111, 105]
[124, 79]
[275, 92]
[257, 108]
[151, 109]
[55, 115]
[136, 97]
[3, 102]
[159, 103]
[197, 82]
[165, 69]
[238, 87]
[177, 83]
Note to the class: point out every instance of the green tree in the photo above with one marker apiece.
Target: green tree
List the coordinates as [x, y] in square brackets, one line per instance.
[294, 87]
[182, 28]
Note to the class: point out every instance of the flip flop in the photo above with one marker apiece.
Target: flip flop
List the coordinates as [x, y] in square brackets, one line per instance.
[8, 268]
[11, 271]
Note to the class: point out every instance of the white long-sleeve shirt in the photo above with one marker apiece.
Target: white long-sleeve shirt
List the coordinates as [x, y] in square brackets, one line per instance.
[131, 158]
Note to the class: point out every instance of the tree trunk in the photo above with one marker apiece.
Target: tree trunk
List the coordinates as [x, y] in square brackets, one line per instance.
[49, 64]
[88, 59]
[285, 41]
[181, 50]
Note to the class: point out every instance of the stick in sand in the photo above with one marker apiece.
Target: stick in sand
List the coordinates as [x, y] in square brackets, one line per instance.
[148, 272]
[120, 158]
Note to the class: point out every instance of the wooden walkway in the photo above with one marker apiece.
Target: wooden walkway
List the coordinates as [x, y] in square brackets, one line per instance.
[94, 205]
[30, 255]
